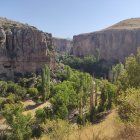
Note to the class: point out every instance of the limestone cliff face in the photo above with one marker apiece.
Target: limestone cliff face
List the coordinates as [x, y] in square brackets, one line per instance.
[23, 49]
[62, 45]
[113, 43]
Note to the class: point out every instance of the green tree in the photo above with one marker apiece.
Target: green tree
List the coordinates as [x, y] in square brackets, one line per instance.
[16, 89]
[129, 105]
[69, 72]
[45, 75]
[108, 94]
[33, 92]
[65, 99]
[116, 71]
[19, 123]
[3, 88]
[40, 115]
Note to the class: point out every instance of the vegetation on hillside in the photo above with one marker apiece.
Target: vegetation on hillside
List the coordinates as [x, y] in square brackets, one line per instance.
[75, 97]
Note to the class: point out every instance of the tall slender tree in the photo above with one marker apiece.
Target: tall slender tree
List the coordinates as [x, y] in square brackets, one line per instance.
[45, 75]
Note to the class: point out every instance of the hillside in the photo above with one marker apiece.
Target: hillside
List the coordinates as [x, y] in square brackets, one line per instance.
[133, 23]
[114, 43]
[23, 49]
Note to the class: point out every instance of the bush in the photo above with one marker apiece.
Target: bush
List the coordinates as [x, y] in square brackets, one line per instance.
[16, 89]
[19, 123]
[33, 92]
[3, 88]
[40, 115]
[80, 120]
[37, 131]
[129, 105]
[108, 94]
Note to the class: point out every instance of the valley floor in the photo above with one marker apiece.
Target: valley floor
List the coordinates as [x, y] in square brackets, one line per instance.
[104, 130]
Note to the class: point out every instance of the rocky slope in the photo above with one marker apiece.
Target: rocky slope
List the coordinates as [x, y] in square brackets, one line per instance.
[23, 49]
[113, 43]
[62, 45]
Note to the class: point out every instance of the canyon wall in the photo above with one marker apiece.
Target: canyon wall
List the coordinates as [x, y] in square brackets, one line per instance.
[113, 43]
[62, 45]
[23, 49]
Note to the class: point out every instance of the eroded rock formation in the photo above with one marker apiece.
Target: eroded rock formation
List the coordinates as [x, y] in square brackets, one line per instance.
[62, 45]
[23, 49]
[113, 43]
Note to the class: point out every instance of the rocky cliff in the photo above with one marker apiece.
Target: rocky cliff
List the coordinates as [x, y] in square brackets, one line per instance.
[113, 43]
[23, 49]
[62, 45]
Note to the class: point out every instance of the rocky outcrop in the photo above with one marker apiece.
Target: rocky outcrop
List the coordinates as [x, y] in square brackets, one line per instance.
[113, 43]
[23, 49]
[62, 45]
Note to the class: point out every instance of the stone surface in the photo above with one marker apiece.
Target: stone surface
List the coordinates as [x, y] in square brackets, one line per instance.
[113, 43]
[2, 36]
[23, 49]
[62, 45]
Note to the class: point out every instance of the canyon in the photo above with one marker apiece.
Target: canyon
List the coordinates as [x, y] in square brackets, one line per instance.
[23, 49]
[114, 43]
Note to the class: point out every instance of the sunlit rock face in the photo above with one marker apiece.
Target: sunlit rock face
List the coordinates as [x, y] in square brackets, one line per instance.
[62, 45]
[23, 49]
[114, 43]
[2, 36]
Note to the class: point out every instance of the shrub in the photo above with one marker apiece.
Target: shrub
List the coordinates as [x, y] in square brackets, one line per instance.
[3, 88]
[40, 115]
[19, 123]
[16, 89]
[129, 105]
[33, 92]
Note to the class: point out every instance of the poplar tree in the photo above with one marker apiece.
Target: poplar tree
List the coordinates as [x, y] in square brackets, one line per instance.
[45, 75]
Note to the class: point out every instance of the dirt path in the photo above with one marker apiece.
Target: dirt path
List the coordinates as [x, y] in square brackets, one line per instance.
[33, 107]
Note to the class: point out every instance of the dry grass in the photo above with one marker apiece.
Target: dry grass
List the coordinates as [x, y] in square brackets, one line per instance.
[109, 129]
[34, 107]
[133, 23]
[101, 131]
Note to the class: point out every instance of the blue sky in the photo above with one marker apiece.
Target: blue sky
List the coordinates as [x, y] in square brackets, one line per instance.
[65, 18]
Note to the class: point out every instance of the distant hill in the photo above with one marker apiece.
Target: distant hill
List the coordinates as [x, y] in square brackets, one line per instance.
[133, 23]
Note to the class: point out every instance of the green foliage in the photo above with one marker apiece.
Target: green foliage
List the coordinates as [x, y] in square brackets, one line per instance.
[80, 120]
[23, 82]
[2, 102]
[63, 72]
[65, 99]
[129, 105]
[45, 75]
[40, 115]
[11, 98]
[18, 122]
[37, 131]
[49, 112]
[108, 94]
[33, 92]
[131, 76]
[16, 89]
[90, 64]
[116, 72]
[3, 88]
[93, 114]
[67, 94]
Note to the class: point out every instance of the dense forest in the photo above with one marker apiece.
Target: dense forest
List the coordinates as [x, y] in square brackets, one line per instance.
[78, 91]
